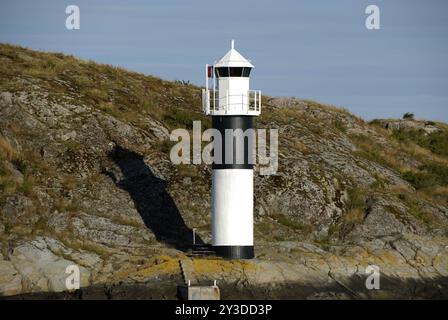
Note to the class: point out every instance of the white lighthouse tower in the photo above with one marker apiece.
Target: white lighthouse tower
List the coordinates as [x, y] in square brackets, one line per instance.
[232, 106]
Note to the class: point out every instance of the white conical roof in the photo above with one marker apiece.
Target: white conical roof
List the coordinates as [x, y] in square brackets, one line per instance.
[233, 59]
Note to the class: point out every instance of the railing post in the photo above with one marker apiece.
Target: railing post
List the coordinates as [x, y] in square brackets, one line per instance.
[203, 96]
[206, 77]
[214, 89]
[255, 100]
[227, 100]
[208, 102]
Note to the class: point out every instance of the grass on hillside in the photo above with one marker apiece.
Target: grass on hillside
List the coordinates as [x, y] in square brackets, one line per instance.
[427, 166]
[129, 96]
[436, 142]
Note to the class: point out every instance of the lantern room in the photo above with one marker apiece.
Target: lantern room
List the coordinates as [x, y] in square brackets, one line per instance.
[227, 89]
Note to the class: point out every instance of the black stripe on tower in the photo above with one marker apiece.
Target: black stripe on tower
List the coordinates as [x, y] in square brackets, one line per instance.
[233, 122]
[235, 252]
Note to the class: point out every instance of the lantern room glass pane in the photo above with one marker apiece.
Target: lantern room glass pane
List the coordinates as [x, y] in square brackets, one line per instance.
[222, 72]
[246, 71]
[236, 71]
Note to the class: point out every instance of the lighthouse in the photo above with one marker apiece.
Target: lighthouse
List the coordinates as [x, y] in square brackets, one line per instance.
[232, 106]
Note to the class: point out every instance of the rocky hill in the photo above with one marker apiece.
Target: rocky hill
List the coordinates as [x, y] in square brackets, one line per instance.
[85, 178]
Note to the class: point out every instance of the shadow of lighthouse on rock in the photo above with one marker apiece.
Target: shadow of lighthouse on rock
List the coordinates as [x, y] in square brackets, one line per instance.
[151, 199]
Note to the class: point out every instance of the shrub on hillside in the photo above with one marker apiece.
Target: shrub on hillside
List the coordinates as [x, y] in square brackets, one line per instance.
[436, 142]
[429, 175]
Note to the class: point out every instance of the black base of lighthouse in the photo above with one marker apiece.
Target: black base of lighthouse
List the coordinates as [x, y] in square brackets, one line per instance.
[234, 252]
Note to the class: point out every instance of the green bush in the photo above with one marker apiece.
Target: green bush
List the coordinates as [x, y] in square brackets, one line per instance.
[420, 180]
[436, 142]
[438, 170]
[356, 198]
[401, 135]
[429, 175]
[340, 126]
[21, 165]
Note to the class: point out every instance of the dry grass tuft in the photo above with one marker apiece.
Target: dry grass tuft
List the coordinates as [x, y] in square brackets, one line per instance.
[354, 216]
[7, 151]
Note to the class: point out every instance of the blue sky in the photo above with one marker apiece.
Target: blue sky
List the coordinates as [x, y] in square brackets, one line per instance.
[317, 50]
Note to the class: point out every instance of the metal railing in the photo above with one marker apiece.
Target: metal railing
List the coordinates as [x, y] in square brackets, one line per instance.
[214, 102]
